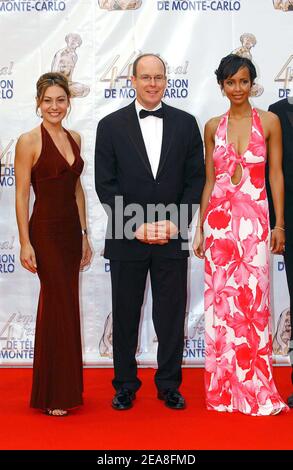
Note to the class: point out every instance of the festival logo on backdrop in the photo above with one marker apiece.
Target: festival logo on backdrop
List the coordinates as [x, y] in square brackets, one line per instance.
[32, 5]
[283, 333]
[117, 78]
[7, 177]
[248, 41]
[65, 60]
[112, 5]
[106, 341]
[284, 5]
[198, 5]
[17, 338]
[7, 255]
[6, 81]
[194, 344]
[105, 344]
[285, 76]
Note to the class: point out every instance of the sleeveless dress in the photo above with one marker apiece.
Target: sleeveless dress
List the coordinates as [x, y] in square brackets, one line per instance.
[238, 362]
[55, 234]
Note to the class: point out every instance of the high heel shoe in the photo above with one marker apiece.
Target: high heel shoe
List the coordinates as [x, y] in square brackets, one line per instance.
[276, 411]
[57, 412]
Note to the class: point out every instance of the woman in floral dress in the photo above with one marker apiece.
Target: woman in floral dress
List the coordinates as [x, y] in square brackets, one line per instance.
[233, 236]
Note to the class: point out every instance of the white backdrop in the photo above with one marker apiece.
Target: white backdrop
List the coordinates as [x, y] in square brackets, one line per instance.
[95, 43]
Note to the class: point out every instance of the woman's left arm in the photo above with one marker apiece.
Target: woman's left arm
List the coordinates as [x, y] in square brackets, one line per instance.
[276, 180]
[80, 201]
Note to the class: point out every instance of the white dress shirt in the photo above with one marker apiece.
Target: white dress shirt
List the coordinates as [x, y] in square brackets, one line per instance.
[152, 132]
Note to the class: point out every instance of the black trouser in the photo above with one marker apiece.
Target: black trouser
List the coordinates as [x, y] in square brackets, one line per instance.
[288, 258]
[169, 291]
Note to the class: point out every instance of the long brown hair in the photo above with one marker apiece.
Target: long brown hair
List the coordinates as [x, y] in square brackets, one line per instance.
[50, 79]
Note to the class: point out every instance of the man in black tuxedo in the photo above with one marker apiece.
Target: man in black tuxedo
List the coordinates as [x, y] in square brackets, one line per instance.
[284, 110]
[150, 157]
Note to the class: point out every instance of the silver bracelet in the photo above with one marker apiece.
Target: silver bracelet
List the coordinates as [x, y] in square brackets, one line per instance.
[84, 231]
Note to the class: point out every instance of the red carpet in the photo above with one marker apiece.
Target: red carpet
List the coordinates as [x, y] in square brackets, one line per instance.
[148, 425]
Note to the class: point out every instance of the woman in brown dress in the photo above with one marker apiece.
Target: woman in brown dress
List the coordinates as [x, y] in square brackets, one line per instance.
[54, 245]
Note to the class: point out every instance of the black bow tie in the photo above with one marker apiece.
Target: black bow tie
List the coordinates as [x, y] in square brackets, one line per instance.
[143, 113]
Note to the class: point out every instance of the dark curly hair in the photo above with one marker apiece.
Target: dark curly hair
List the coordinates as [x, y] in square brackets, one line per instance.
[230, 65]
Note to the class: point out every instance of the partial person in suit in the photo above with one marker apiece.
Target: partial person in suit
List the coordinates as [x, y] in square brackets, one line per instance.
[148, 156]
[284, 110]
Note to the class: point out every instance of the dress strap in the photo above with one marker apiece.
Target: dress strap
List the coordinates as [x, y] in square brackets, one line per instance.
[43, 148]
[44, 133]
[74, 145]
[257, 122]
[222, 128]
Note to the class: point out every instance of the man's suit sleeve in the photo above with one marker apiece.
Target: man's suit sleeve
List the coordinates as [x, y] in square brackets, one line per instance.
[105, 166]
[194, 172]
[106, 182]
[271, 108]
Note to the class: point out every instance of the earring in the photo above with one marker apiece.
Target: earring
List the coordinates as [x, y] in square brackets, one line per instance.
[39, 114]
[223, 92]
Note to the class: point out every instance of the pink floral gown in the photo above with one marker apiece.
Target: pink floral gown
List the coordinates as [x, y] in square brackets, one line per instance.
[238, 375]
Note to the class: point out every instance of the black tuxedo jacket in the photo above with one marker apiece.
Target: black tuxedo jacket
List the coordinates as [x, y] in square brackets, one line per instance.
[122, 169]
[284, 110]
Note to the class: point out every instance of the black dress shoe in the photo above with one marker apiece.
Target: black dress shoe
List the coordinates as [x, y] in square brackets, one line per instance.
[290, 401]
[123, 399]
[172, 398]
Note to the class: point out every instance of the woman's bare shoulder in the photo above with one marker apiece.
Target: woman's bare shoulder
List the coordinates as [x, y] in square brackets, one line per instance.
[76, 136]
[267, 116]
[269, 120]
[31, 137]
[212, 124]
